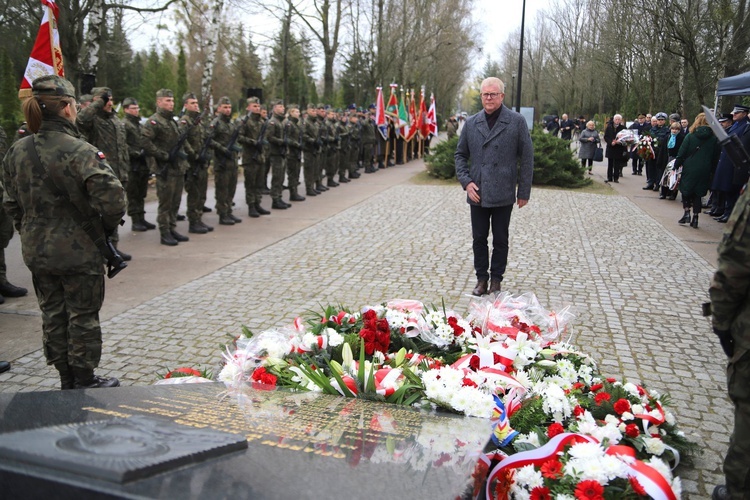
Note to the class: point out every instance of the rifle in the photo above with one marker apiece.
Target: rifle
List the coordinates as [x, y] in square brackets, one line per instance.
[299, 150]
[202, 155]
[261, 138]
[232, 146]
[176, 151]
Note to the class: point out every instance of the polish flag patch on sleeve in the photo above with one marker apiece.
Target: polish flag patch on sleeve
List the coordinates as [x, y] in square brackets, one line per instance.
[152, 122]
[100, 155]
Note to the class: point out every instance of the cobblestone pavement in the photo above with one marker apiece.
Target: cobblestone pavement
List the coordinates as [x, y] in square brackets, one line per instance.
[636, 288]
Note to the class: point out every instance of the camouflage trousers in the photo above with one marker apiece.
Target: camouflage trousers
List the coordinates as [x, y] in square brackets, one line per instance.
[332, 164]
[137, 188]
[292, 172]
[225, 180]
[278, 170]
[322, 158]
[70, 307]
[254, 172]
[343, 162]
[169, 192]
[311, 160]
[353, 159]
[196, 187]
[737, 461]
[6, 233]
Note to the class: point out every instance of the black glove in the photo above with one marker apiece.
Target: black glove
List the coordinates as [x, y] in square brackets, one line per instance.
[726, 341]
[105, 98]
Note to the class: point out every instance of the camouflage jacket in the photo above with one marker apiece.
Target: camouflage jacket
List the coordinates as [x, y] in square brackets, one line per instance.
[159, 135]
[3, 143]
[195, 135]
[293, 130]
[133, 138]
[52, 242]
[107, 132]
[275, 135]
[331, 135]
[342, 130]
[223, 130]
[248, 138]
[730, 286]
[311, 133]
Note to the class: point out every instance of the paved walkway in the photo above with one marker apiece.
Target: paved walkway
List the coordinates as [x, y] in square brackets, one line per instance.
[636, 287]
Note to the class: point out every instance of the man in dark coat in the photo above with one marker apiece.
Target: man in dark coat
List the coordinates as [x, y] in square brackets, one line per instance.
[494, 139]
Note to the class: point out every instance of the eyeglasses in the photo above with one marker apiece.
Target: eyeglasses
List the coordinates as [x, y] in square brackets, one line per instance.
[490, 95]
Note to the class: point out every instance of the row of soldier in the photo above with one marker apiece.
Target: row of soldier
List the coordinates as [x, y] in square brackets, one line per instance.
[319, 145]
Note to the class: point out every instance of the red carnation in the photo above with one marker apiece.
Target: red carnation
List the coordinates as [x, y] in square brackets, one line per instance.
[578, 411]
[555, 429]
[183, 372]
[453, 322]
[474, 362]
[263, 377]
[577, 385]
[467, 382]
[602, 396]
[540, 493]
[596, 387]
[631, 430]
[589, 490]
[552, 469]
[637, 487]
[611, 380]
[621, 406]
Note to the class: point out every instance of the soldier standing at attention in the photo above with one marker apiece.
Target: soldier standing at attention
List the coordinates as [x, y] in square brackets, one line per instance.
[310, 139]
[277, 150]
[368, 142]
[253, 163]
[6, 233]
[355, 144]
[137, 187]
[342, 131]
[196, 179]
[225, 162]
[160, 135]
[49, 176]
[332, 141]
[323, 156]
[293, 132]
[102, 128]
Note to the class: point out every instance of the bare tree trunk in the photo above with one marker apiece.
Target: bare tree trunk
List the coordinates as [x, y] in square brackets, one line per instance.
[285, 51]
[210, 46]
[94, 37]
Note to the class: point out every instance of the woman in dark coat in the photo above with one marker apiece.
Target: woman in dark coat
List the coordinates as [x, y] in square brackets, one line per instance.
[616, 151]
[667, 152]
[589, 139]
[698, 154]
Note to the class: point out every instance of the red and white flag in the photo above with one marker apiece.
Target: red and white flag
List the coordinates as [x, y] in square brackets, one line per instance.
[46, 56]
[380, 114]
[424, 128]
[432, 117]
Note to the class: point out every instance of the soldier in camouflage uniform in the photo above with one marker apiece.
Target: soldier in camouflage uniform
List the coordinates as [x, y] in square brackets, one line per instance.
[196, 178]
[6, 233]
[160, 135]
[101, 127]
[342, 130]
[355, 144]
[66, 266]
[331, 164]
[322, 148]
[137, 187]
[310, 147]
[225, 162]
[293, 131]
[278, 150]
[368, 142]
[252, 137]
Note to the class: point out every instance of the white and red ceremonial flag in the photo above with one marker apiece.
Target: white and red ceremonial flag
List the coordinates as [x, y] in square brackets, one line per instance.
[432, 117]
[380, 114]
[424, 127]
[413, 123]
[46, 56]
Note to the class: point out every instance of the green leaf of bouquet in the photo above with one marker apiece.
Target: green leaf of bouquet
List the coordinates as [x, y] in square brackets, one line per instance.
[414, 397]
[344, 388]
[370, 386]
[247, 332]
[390, 445]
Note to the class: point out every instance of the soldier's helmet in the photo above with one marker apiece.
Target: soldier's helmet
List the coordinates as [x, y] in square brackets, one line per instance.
[52, 85]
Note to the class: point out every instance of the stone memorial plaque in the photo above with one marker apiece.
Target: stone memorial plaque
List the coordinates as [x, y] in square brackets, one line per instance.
[300, 445]
[120, 449]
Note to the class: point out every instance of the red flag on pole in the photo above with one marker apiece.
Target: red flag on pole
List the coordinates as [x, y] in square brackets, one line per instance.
[424, 127]
[432, 116]
[413, 123]
[380, 115]
[392, 109]
[46, 56]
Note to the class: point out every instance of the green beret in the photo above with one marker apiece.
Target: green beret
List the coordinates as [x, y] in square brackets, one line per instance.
[253, 100]
[224, 100]
[187, 96]
[129, 101]
[53, 85]
[164, 93]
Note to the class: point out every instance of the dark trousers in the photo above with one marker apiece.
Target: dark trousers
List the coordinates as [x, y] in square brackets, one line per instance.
[637, 164]
[585, 160]
[651, 179]
[693, 201]
[613, 169]
[498, 218]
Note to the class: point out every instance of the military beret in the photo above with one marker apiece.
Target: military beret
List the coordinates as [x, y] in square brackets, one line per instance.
[188, 95]
[253, 100]
[52, 85]
[129, 101]
[277, 102]
[674, 117]
[321, 105]
[98, 91]
[292, 106]
[371, 106]
[328, 108]
[224, 100]
[740, 108]
[352, 106]
[164, 93]
[85, 98]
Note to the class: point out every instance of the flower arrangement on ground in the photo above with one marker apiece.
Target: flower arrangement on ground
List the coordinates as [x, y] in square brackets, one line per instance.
[560, 429]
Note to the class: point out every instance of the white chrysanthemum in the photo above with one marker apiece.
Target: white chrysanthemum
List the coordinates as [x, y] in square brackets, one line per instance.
[274, 348]
[626, 416]
[334, 338]
[567, 371]
[631, 388]
[519, 493]
[654, 446]
[310, 340]
[532, 438]
[661, 467]
[396, 319]
[230, 373]
[611, 419]
[523, 378]
[669, 418]
[585, 374]
[636, 409]
[609, 432]
[555, 403]
[586, 451]
[529, 477]
[677, 487]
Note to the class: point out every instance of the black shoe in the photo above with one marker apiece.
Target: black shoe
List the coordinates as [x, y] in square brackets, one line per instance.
[317, 191]
[296, 197]
[694, 222]
[331, 183]
[480, 289]
[278, 205]
[10, 290]
[723, 219]
[343, 179]
[208, 228]
[225, 220]
[608, 181]
[311, 192]
[369, 170]
[125, 256]
[685, 218]
[236, 219]
[252, 212]
[148, 224]
[355, 175]
[265, 190]
[662, 197]
[716, 214]
[320, 187]
[261, 210]
[656, 188]
[168, 239]
[4, 366]
[648, 187]
[67, 379]
[206, 209]
[179, 237]
[197, 228]
[181, 217]
[616, 181]
[85, 379]
[139, 227]
[720, 493]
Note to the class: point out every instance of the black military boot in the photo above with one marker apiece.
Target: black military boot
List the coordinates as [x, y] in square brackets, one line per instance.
[85, 379]
[206, 209]
[197, 228]
[4, 365]
[296, 197]
[369, 169]
[694, 222]
[278, 205]
[261, 210]
[180, 217]
[685, 218]
[168, 239]
[225, 220]
[320, 187]
[147, 223]
[236, 219]
[10, 290]
[67, 380]
[380, 166]
[138, 225]
[179, 237]
[311, 192]
[331, 183]
[208, 228]
[253, 212]
[354, 175]
[343, 179]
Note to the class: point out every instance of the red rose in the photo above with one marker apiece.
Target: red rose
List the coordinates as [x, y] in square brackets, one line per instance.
[383, 325]
[611, 380]
[474, 362]
[596, 387]
[602, 396]
[589, 490]
[637, 488]
[555, 429]
[370, 319]
[382, 340]
[621, 406]
[631, 430]
[552, 469]
[577, 385]
[578, 411]
[368, 337]
[541, 493]
[453, 322]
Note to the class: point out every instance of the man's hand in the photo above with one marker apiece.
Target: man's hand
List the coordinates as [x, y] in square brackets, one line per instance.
[726, 341]
[473, 191]
[522, 203]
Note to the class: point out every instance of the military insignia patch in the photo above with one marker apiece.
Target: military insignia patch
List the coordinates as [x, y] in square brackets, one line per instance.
[152, 122]
[21, 131]
[100, 155]
[183, 122]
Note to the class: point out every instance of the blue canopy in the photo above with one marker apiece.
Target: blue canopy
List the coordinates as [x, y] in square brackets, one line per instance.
[735, 85]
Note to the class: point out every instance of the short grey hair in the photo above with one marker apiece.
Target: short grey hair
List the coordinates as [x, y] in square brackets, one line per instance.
[617, 116]
[493, 81]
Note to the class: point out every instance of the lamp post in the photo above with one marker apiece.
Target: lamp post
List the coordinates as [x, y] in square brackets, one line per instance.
[520, 59]
[513, 87]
